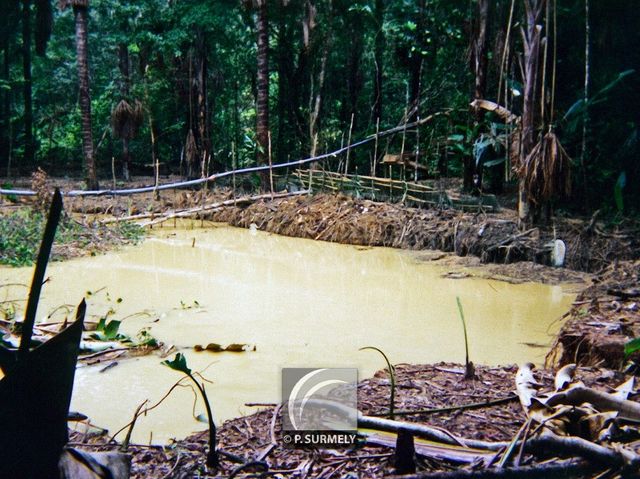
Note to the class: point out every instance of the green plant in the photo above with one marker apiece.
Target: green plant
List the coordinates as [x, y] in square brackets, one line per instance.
[576, 111]
[108, 331]
[179, 363]
[185, 305]
[20, 234]
[631, 347]
[11, 198]
[392, 379]
[144, 338]
[617, 192]
[469, 368]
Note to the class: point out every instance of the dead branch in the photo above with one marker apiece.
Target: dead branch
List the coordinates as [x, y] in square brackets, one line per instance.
[600, 400]
[440, 452]
[499, 110]
[160, 217]
[567, 468]
[476, 405]
[425, 432]
[576, 446]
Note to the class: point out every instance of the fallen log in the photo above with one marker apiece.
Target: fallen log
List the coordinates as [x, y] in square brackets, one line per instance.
[538, 446]
[434, 450]
[243, 201]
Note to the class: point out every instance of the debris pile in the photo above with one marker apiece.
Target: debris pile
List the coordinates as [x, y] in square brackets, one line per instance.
[604, 319]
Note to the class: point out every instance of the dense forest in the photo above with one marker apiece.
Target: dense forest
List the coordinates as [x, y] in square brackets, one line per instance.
[205, 86]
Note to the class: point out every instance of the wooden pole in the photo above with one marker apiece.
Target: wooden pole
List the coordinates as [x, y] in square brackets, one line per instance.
[270, 162]
[346, 165]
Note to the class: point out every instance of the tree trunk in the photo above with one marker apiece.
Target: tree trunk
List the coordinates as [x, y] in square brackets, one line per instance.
[584, 150]
[27, 87]
[202, 107]
[480, 54]
[126, 159]
[354, 79]
[284, 92]
[301, 85]
[315, 102]
[290, 134]
[415, 76]
[532, 38]
[378, 58]
[123, 64]
[315, 97]
[80, 13]
[262, 91]
[415, 69]
[472, 176]
[5, 118]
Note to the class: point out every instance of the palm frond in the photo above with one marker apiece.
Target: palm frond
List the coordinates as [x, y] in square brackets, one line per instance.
[546, 170]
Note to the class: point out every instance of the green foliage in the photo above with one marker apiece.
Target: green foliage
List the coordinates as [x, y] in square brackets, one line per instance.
[144, 338]
[632, 347]
[130, 232]
[179, 363]
[107, 331]
[392, 379]
[420, 47]
[468, 364]
[8, 186]
[21, 232]
[20, 235]
[194, 305]
[617, 191]
[576, 112]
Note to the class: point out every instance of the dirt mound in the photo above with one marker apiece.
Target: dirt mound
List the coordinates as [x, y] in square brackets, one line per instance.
[604, 318]
[491, 237]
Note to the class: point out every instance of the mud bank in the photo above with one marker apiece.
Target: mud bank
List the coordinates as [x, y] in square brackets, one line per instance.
[437, 390]
[604, 318]
[494, 238]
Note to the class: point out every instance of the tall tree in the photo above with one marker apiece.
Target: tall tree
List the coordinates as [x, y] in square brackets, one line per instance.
[10, 18]
[27, 84]
[355, 27]
[80, 12]
[127, 116]
[378, 58]
[532, 40]
[262, 87]
[416, 62]
[472, 175]
[287, 106]
[316, 82]
[44, 21]
[124, 66]
[201, 100]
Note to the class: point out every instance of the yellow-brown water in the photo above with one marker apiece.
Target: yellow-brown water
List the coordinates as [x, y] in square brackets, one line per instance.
[301, 303]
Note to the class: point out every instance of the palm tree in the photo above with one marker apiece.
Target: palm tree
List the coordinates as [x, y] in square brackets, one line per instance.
[80, 8]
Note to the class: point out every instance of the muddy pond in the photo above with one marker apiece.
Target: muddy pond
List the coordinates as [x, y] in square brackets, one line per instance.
[299, 302]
